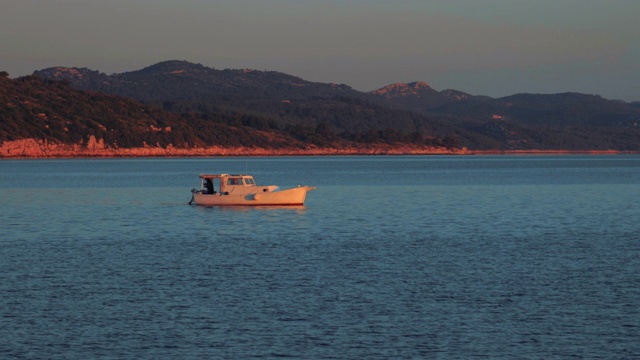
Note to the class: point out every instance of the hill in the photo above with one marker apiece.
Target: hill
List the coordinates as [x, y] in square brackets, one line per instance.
[58, 118]
[56, 112]
[397, 112]
[526, 109]
[570, 121]
[182, 87]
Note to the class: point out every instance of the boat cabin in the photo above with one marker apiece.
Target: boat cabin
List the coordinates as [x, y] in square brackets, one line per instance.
[224, 183]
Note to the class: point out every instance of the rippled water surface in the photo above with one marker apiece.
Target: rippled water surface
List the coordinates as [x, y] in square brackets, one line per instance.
[392, 257]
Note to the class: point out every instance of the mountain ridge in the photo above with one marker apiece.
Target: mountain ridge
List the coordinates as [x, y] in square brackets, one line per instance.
[47, 118]
[569, 121]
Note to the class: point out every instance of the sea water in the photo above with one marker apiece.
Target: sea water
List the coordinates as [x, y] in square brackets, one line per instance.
[392, 257]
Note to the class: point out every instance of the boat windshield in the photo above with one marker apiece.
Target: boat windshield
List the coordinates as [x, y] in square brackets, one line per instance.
[249, 181]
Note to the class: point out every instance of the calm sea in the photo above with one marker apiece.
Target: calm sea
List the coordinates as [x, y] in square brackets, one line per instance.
[391, 258]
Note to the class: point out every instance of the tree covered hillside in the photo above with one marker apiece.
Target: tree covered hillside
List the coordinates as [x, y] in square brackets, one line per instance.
[34, 108]
[53, 110]
[320, 114]
[286, 100]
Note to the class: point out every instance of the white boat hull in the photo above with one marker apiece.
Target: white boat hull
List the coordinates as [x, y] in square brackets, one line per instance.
[288, 197]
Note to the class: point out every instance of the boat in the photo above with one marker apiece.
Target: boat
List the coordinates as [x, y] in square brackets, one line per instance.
[241, 190]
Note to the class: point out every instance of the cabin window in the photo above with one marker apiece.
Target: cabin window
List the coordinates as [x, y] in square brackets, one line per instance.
[209, 186]
[249, 181]
[234, 181]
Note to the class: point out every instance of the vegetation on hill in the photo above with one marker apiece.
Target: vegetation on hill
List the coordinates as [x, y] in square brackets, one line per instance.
[55, 111]
[182, 87]
[569, 121]
[236, 102]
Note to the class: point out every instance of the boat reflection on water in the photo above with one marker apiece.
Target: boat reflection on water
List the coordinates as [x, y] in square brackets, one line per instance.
[247, 209]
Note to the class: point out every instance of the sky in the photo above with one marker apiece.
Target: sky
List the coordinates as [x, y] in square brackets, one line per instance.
[482, 47]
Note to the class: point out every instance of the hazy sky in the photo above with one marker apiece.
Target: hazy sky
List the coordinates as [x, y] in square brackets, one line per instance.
[483, 47]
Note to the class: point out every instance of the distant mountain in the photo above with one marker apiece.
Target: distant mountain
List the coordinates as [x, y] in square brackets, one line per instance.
[418, 96]
[183, 87]
[175, 80]
[565, 109]
[567, 121]
[525, 121]
[568, 109]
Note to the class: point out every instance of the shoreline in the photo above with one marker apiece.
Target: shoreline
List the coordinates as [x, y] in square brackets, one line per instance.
[42, 149]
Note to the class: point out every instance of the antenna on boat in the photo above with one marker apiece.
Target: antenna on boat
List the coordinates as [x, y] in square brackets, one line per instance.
[246, 166]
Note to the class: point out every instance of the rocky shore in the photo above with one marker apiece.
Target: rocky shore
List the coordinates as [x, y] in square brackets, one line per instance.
[35, 148]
